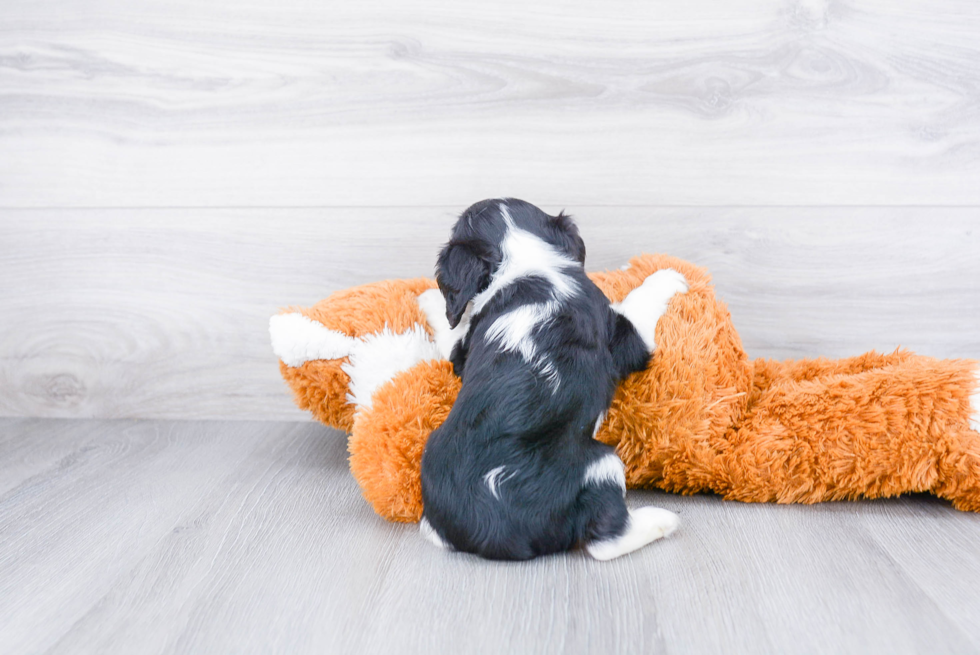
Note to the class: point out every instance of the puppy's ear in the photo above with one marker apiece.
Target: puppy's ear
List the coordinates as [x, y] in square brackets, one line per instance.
[462, 271]
[569, 237]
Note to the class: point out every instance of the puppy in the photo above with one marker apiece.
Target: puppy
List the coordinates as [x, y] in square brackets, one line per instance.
[515, 471]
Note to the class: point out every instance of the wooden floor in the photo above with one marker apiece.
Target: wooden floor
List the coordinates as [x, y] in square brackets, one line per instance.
[137, 536]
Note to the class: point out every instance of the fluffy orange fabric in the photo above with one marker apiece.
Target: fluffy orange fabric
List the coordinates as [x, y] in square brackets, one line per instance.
[702, 417]
[320, 386]
[387, 441]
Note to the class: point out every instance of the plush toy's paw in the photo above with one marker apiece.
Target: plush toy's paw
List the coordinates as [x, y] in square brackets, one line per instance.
[648, 302]
[372, 360]
[297, 340]
[433, 304]
[646, 524]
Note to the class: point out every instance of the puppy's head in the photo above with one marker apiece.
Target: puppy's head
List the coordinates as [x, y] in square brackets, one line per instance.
[475, 251]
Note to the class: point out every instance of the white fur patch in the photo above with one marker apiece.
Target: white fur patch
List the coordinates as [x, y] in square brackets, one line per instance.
[647, 303]
[550, 374]
[608, 468]
[430, 535]
[372, 360]
[495, 477]
[513, 332]
[525, 255]
[645, 525]
[513, 329]
[297, 339]
[433, 304]
[975, 405]
[598, 424]
[380, 356]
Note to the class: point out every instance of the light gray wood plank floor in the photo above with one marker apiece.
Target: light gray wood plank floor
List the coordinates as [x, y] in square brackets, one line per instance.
[251, 537]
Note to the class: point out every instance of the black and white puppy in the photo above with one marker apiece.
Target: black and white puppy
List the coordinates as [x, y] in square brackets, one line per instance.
[515, 471]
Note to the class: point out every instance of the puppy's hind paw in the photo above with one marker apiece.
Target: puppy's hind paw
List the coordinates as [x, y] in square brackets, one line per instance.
[646, 525]
[656, 521]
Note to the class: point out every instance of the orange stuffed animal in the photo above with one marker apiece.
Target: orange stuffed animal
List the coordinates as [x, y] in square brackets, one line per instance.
[701, 417]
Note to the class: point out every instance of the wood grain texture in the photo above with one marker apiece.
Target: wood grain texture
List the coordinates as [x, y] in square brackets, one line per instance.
[163, 313]
[711, 102]
[251, 537]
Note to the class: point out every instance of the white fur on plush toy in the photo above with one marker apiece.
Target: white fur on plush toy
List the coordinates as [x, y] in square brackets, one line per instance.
[297, 340]
[372, 360]
[380, 357]
[433, 304]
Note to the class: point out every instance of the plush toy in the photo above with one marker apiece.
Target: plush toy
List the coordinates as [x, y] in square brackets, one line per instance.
[702, 417]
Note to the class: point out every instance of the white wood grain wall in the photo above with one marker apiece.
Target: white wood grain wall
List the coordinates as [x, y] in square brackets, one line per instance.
[171, 173]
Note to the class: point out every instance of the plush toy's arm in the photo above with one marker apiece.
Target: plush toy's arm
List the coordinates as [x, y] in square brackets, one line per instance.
[336, 354]
[648, 302]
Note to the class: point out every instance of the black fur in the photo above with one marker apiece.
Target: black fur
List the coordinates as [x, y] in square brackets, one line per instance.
[507, 414]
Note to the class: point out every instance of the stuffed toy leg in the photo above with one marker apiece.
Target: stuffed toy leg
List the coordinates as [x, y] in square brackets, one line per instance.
[702, 417]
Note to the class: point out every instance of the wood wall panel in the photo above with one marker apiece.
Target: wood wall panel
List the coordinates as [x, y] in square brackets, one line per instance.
[711, 102]
[163, 313]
